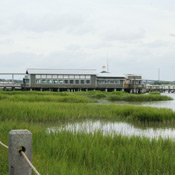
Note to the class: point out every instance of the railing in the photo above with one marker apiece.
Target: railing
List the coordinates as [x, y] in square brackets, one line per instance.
[9, 84]
[158, 87]
[20, 153]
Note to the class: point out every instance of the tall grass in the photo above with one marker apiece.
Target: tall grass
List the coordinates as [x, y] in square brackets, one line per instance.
[43, 111]
[92, 154]
[66, 97]
[81, 97]
[123, 96]
[88, 154]
[116, 96]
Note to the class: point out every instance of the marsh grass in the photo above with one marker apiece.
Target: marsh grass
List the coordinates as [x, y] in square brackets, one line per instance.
[50, 111]
[92, 154]
[35, 96]
[66, 153]
[124, 96]
[115, 96]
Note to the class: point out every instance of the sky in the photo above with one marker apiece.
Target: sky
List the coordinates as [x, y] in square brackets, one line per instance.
[136, 37]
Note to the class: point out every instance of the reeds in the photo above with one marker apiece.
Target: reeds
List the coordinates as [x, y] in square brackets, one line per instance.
[92, 154]
[124, 96]
[49, 111]
[88, 154]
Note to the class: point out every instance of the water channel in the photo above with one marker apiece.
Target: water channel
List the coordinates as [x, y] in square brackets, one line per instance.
[121, 128]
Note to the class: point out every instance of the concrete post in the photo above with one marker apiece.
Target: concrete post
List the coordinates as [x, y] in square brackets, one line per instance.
[19, 139]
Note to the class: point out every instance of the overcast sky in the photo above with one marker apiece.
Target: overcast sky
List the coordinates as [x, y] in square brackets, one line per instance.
[136, 36]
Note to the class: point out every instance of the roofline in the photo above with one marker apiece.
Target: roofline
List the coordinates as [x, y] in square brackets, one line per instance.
[60, 69]
[86, 71]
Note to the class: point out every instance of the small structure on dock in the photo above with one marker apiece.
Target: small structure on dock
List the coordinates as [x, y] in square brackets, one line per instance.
[133, 84]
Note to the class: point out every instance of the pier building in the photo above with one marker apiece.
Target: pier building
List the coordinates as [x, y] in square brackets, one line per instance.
[71, 79]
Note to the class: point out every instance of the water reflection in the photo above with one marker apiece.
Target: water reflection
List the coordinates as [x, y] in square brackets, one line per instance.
[159, 104]
[112, 128]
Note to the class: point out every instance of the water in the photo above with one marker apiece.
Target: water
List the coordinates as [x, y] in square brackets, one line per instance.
[159, 104]
[121, 128]
[112, 128]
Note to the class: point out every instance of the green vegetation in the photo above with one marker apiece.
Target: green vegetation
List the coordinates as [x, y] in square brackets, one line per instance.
[88, 154]
[35, 96]
[65, 153]
[43, 111]
[124, 96]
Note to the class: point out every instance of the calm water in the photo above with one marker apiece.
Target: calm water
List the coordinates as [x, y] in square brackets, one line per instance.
[112, 128]
[158, 104]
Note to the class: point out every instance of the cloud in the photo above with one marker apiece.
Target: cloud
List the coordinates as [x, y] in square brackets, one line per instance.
[72, 23]
[137, 35]
[124, 36]
[172, 35]
[6, 41]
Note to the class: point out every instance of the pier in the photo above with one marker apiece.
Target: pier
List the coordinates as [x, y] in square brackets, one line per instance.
[131, 84]
[11, 81]
[160, 88]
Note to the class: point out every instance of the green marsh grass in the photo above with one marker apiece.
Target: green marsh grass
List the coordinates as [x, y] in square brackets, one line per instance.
[92, 154]
[124, 96]
[50, 111]
[118, 96]
[34, 96]
[66, 153]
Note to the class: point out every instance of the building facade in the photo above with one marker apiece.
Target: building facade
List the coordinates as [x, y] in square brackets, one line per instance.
[73, 79]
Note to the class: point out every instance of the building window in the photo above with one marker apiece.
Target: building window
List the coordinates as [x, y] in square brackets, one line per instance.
[101, 81]
[71, 81]
[65, 81]
[65, 76]
[82, 76]
[38, 76]
[60, 76]
[60, 81]
[82, 81]
[77, 76]
[87, 81]
[49, 76]
[43, 81]
[71, 76]
[76, 81]
[55, 76]
[117, 81]
[55, 81]
[88, 76]
[38, 81]
[43, 76]
[49, 81]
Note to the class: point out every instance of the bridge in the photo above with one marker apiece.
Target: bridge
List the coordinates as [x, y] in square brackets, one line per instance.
[9, 80]
[160, 88]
